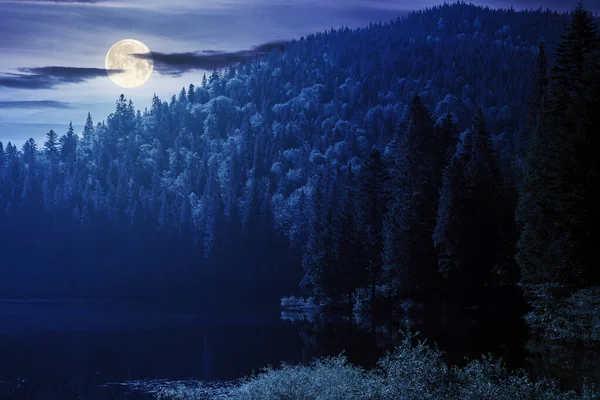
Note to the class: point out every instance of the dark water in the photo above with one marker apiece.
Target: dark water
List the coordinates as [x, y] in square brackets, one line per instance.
[67, 350]
[83, 350]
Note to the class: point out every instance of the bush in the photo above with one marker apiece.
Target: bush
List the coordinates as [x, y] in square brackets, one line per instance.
[331, 379]
[574, 319]
[413, 371]
[488, 379]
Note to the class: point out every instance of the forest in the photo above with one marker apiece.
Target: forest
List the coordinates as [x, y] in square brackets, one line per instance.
[445, 158]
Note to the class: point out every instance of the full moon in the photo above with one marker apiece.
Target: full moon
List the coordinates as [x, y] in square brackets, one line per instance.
[133, 71]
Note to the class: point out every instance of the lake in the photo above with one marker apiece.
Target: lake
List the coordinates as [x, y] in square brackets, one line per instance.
[67, 350]
[89, 349]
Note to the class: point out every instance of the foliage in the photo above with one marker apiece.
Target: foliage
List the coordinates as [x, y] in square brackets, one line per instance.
[557, 208]
[571, 320]
[414, 370]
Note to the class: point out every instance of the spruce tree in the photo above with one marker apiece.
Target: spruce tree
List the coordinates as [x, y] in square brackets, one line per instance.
[349, 268]
[88, 134]
[418, 157]
[2, 161]
[191, 94]
[373, 206]
[539, 86]
[446, 139]
[51, 145]
[314, 255]
[469, 226]
[88, 129]
[557, 208]
[68, 145]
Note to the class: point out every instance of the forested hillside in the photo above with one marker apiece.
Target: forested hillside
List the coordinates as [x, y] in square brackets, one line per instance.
[385, 159]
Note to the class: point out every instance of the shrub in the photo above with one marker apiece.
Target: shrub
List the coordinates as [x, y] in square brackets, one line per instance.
[330, 378]
[413, 371]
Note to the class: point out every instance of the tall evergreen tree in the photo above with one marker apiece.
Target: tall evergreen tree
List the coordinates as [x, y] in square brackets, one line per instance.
[349, 270]
[580, 41]
[469, 227]
[537, 97]
[51, 145]
[373, 206]
[88, 129]
[2, 161]
[557, 211]
[540, 85]
[88, 134]
[68, 144]
[314, 258]
[419, 156]
[191, 95]
[447, 137]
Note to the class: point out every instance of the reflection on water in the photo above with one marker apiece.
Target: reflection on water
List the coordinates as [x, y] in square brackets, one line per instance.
[76, 350]
[495, 328]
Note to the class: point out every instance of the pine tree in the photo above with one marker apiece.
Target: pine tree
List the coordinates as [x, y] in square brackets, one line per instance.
[214, 77]
[537, 98]
[557, 210]
[68, 145]
[191, 94]
[540, 85]
[182, 98]
[419, 157]
[373, 207]
[12, 163]
[88, 129]
[156, 106]
[314, 255]
[580, 41]
[51, 145]
[446, 139]
[349, 271]
[2, 161]
[469, 226]
[29, 170]
[88, 135]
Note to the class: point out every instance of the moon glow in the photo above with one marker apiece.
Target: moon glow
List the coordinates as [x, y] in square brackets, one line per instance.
[133, 71]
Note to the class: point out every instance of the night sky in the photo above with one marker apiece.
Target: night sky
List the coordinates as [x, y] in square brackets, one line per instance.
[52, 52]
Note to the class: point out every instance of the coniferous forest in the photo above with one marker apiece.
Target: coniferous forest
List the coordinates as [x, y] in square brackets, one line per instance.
[446, 160]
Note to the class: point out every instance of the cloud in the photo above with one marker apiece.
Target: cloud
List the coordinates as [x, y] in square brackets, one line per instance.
[50, 77]
[175, 64]
[35, 104]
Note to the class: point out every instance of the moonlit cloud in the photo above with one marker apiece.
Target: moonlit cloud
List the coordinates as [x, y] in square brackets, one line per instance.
[50, 77]
[178, 63]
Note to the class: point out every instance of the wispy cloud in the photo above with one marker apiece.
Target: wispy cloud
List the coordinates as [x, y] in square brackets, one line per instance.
[34, 104]
[175, 64]
[49, 77]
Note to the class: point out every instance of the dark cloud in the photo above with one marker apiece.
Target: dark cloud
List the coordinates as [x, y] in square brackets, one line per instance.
[176, 64]
[36, 104]
[49, 77]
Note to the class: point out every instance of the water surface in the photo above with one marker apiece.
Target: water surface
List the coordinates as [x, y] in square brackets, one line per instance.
[70, 350]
